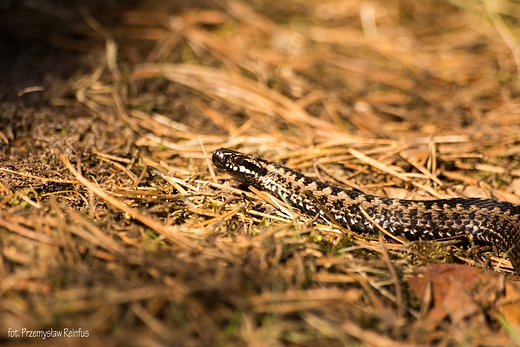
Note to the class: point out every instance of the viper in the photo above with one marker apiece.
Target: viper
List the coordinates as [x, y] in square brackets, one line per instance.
[489, 221]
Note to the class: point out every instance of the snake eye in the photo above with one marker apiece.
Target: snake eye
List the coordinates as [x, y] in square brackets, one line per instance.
[237, 159]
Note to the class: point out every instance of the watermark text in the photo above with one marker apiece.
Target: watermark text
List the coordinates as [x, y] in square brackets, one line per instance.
[46, 334]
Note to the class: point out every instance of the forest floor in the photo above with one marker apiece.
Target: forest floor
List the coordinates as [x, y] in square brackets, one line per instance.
[116, 228]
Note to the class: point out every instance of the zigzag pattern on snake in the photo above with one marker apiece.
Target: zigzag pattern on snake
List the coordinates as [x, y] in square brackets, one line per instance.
[490, 221]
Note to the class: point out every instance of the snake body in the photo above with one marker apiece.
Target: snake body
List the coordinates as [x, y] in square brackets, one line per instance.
[490, 221]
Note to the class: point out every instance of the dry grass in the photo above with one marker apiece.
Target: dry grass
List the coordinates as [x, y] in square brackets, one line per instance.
[119, 226]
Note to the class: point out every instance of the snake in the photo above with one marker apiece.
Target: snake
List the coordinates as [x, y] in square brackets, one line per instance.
[488, 220]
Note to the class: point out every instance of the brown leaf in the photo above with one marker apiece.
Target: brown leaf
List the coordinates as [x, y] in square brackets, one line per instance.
[465, 294]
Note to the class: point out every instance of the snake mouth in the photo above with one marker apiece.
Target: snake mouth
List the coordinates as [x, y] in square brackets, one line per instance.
[218, 159]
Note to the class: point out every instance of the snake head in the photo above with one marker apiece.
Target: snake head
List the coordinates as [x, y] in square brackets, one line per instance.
[243, 168]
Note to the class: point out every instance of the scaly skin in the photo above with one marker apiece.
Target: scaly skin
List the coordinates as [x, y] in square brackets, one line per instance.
[490, 221]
